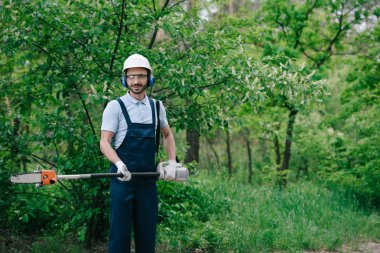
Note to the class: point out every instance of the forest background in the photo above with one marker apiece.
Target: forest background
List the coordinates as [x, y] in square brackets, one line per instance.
[275, 107]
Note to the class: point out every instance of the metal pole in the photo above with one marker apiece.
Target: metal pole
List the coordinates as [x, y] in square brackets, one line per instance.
[106, 175]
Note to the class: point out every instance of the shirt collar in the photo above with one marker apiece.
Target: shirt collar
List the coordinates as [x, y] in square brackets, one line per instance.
[135, 101]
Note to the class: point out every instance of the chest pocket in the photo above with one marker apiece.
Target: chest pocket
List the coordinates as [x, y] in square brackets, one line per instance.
[142, 133]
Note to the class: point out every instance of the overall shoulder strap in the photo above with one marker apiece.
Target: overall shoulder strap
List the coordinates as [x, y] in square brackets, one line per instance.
[158, 125]
[125, 112]
[152, 108]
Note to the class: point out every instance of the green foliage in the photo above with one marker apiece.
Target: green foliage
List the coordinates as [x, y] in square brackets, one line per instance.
[344, 148]
[289, 85]
[315, 29]
[304, 217]
[182, 205]
[60, 63]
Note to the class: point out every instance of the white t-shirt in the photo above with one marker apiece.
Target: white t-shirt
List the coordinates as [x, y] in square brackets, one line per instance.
[139, 112]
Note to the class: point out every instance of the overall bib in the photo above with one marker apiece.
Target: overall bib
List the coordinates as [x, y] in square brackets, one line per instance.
[135, 202]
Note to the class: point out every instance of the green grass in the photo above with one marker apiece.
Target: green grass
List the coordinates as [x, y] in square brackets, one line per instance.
[14, 242]
[262, 219]
[214, 214]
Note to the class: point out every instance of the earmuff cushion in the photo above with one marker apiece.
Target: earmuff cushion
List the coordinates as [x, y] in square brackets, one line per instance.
[151, 78]
[123, 81]
[151, 81]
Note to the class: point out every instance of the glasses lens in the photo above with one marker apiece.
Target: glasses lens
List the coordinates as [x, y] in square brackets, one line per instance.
[138, 77]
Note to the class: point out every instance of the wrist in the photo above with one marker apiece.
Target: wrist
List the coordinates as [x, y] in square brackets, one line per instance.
[119, 163]
[172, 161]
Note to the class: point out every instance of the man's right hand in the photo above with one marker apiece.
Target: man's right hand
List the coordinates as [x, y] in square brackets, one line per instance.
[122, 168]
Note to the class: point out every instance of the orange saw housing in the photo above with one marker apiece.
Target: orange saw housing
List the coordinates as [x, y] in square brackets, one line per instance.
[48, 177]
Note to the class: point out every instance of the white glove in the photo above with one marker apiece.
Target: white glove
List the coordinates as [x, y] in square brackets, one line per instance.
[122, 168]
[167, 170]
[160, 170]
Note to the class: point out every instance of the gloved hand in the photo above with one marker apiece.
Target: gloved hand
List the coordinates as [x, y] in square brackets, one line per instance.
[160, 169]
[167, 170]
[122, 168]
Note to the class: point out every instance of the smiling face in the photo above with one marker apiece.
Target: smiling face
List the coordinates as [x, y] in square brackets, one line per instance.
[137, 80]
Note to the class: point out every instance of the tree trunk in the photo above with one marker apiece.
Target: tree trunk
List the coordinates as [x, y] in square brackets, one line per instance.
[214, 152]
[230, 7]
[277, 151]
[249, 161]
[229, 157]
[288, 145]
[189, 5]
[14, 145]
[69, 114]
[192, 139]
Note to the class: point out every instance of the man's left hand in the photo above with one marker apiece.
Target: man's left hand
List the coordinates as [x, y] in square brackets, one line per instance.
[168, 169]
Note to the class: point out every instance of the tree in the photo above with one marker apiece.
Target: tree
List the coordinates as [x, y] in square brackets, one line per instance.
[300, 32]
[290, 88]
[60, 62]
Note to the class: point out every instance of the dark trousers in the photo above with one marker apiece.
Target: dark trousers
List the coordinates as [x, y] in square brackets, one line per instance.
[138, 205]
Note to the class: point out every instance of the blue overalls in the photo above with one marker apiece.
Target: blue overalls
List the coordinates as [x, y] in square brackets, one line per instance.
[135, 202]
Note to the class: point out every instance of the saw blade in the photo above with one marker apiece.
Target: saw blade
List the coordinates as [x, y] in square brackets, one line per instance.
[31, 178]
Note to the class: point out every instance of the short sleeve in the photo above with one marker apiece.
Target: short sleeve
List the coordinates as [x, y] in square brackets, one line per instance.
[110, 120]
[163, 119]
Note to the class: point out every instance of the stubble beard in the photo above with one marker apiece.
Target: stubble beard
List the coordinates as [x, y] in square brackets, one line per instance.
[142, 89]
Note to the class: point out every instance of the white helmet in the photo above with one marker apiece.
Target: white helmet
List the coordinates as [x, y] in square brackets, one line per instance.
[137, 61]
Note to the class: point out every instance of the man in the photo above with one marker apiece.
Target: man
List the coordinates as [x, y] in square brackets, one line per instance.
[130, 122]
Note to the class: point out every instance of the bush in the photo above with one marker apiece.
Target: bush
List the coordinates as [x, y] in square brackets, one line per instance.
[182, 204]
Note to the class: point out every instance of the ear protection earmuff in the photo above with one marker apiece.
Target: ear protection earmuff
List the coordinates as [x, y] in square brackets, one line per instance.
[123, 81]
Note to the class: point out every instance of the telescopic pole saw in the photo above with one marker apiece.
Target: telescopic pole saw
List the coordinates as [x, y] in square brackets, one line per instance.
[48, 177]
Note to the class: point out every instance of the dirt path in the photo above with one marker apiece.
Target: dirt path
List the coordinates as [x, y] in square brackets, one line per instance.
[368, 247]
